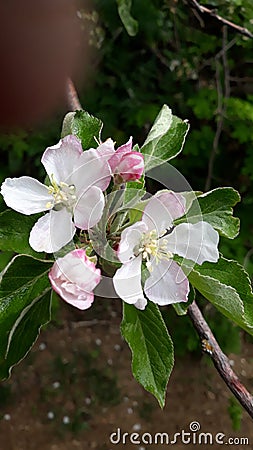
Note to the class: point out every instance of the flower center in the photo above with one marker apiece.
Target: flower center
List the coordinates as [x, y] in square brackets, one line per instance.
[64, 195]
[153, 248]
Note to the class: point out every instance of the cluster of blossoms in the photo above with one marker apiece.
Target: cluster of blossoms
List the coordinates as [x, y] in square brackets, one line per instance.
[74, 200]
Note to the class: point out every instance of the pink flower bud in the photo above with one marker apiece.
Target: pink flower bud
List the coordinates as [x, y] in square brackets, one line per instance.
[126, 164]
[74, 277]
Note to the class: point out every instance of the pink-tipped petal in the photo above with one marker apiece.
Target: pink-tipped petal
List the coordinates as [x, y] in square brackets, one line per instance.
[91, 169]
[74, 278]
[60, 159]
[106, 149]
[162, 210]
[125, 148]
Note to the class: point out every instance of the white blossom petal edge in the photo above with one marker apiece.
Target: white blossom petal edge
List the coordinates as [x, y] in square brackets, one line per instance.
[152, 242]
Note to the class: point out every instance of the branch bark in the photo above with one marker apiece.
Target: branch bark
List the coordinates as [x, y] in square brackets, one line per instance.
[223, 94]
[220, 360]
[212, 13]
[72, 96]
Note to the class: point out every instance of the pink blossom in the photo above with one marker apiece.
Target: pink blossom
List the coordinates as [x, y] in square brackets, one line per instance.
[126, 164]
[74, 277]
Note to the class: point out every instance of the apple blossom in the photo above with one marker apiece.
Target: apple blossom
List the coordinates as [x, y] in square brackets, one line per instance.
[77, 179]
[127, 165]
[74, 277]
[154, 241]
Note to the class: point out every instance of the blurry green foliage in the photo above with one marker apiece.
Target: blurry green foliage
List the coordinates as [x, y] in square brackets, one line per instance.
[235, 412]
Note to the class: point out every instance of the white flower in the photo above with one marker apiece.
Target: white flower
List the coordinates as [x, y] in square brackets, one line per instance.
[77, 180]
[153, 241]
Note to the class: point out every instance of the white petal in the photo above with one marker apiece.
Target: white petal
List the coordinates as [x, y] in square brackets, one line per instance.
[127, 283]
[130, 241]
[197, 242]
[106, 149]
[89, 208]
[52, 231]
[59, 160]
[162, 209]
[25, 195]
[90, 169]
[167, 284]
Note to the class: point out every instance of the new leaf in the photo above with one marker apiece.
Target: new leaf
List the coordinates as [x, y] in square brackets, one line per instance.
[165, 139]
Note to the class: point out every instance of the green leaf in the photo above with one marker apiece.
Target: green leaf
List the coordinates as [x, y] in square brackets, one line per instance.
[24, 308]
[151, 346]
[216, 208]
[227, 286]
[165, 139]
[86, 127]
[130, 24]
[15, 230]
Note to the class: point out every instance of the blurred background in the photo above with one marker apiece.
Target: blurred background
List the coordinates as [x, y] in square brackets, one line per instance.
[126, 60]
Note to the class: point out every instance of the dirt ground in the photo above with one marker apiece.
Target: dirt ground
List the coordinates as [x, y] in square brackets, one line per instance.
[76, 388]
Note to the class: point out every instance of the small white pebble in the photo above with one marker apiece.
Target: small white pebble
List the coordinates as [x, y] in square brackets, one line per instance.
[98, 341]
[142, 448]
[7, 417]
[109, 362]
[117, 347]
[87, 400]
[56, 384]
[42, 346]
[125, 399]
[50, 415]
[243, 373]
[130, 410]
[79, 14]
[137, 427]
[135, 403]
[66, 420]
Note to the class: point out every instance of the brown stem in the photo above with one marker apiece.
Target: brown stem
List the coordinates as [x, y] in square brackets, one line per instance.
[212, 13]
[223, 95]
[72, 97]
[220, 360]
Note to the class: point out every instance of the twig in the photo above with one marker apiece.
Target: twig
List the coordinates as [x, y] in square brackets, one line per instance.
[203, 10]
[220, 360]
[72, 97]
[222, 101]
[89, 323]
